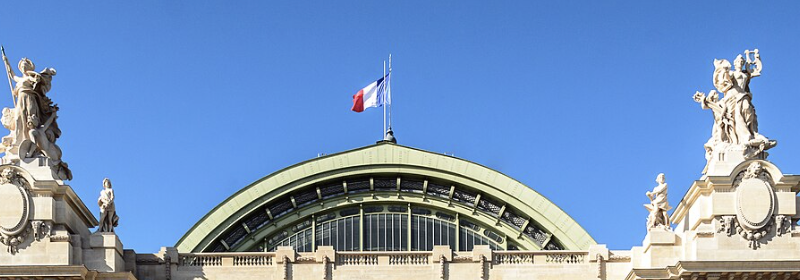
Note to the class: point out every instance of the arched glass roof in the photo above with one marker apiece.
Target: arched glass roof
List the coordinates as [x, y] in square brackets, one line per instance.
[385, 197]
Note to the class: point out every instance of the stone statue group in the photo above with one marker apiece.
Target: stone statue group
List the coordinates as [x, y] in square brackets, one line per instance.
[32, 121]
[34, 130]
[735, 124]
[735, 130]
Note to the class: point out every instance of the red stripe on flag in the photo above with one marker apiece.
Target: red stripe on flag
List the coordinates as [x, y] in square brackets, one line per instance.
[358, 102]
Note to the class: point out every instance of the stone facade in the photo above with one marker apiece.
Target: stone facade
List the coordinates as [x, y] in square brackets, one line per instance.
[738, 221]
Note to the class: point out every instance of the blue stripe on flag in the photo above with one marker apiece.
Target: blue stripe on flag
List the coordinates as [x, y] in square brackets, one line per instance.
[382, 89]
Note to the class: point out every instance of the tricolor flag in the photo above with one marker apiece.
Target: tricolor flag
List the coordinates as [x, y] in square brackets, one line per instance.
[373, 95]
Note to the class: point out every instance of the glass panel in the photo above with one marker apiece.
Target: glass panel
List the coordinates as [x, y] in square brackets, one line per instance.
[341, 233]
[373, 233]
[301, 242]
[470, 238]
[387, 232]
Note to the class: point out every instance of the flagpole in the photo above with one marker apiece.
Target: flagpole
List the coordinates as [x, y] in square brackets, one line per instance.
[389, 89]
[384, 101]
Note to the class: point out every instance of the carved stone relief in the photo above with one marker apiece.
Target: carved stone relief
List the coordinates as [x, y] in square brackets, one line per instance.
[16, 209]
[755, 206]
[727, 225]
[41, 229]
[783, 224]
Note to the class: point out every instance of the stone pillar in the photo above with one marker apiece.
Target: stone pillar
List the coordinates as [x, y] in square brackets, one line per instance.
[285, 253]
[481, 251]
[325, 251]
[598, 250]
[442, 250]
[284, 257]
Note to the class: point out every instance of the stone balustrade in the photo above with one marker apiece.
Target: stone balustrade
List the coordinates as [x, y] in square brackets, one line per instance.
[225, 259]
[540, 257]
[400, 258]
[359, 258]
[285, 263]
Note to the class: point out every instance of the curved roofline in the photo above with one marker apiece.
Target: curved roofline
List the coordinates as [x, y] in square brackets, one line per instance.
[562, 222]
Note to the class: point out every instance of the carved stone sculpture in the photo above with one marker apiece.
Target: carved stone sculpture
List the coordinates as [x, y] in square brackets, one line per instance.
[41, 229]
[735, 124]
[783, 225]
[32, 121]
[726, 224]
[108, 212]
[658, 206]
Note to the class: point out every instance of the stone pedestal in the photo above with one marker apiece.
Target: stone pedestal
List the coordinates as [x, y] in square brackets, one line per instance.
[724, 159]
[285, 253]
[105, 253]
[323, 252]
[599, 251]
[38, 167]
[660, 248]
[445, 251]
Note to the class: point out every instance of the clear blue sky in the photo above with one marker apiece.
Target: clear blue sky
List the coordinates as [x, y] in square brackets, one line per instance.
[182, 103]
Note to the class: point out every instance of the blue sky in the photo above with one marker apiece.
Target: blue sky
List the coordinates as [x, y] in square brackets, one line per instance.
[183, 103]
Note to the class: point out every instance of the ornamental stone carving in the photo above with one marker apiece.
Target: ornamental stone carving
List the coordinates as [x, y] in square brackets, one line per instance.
[755, 204]
[734, 136]
[658, 206]
[727, 224]
[41, 229]
[783, 225]
[32, 121]
[16, 210]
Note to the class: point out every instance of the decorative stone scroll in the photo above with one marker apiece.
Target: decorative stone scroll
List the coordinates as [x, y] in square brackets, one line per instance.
[16, 210]
[734, 136]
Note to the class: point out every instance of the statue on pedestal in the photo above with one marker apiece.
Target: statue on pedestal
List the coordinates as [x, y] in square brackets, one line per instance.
[735, 123]
[658, 206]
[108, 213]
[32, 121]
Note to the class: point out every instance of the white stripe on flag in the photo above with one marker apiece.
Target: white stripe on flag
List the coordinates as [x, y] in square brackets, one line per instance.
[371, 95]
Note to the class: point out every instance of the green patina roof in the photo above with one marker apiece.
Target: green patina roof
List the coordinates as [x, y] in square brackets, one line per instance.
[402, 159]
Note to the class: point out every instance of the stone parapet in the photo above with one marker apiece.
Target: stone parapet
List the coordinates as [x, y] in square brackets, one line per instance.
[480, 263]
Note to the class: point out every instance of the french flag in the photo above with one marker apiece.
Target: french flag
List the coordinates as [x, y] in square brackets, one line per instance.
[373, 95]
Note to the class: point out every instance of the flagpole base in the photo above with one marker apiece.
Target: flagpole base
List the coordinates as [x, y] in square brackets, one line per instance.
[389, 137]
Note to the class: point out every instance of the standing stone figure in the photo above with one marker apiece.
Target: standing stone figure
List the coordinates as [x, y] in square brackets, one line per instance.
[658, 206]
[735, 122]
[32, 121]
[108, 213]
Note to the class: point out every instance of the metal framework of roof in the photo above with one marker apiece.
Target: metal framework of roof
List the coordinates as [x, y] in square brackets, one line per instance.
[380, 174]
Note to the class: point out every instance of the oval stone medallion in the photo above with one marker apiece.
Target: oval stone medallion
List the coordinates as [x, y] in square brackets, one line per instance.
[14, 208]
[755, 202]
